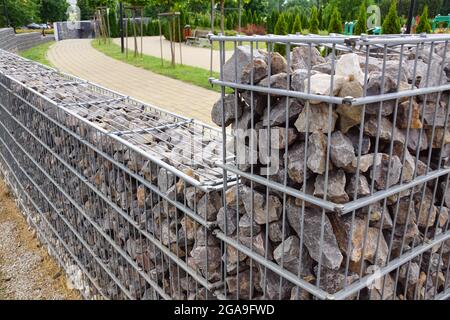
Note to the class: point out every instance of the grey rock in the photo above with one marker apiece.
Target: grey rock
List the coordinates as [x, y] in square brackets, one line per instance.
[166, 179]
[413, 140]
[375, 247]
[243, 56]
[231, 105]
[361, 185]
[380, 168]
[316, 119]
[298, 79]
[342, 152]
[287, 255]
[259, 245]
[277, 114]
[276, 81]
[254, 71]
[271, 285]
[312, 221]
[304, 57]
[240, 287]
[353, 135]
[259, 102]
[227, 222]
[385, 130]
[317, 152]
[206, 258]
[375, 85]
[333, 281]
[335, 187]
[209, 205]
[257, 204]
[296, 162]
[276, 231]
[248, 227]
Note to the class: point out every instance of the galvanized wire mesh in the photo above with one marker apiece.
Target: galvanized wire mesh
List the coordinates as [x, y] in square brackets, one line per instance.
[341, 156]
[117, 187]
[331, 184]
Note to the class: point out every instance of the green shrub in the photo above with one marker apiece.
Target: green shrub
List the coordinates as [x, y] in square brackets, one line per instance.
[272, 21]
[335, 24]
[280, 29]
[361, 24]
[424, 24]
[314, 21]
[297, 27]
[391, 24]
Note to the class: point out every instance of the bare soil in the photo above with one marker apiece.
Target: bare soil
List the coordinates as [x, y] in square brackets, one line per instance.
[27, 272]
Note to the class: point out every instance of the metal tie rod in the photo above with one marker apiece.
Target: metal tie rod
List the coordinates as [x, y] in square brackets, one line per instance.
[92, 102]
[166, 126]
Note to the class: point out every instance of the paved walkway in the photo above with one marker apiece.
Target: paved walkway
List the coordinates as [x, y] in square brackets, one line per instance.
[79, 58]
[192, 56]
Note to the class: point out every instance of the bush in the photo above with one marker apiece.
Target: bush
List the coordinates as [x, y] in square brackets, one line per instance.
[272, 21]
[424, 24]
[113, 25]
[314, 21]
[280, 29]
[391, 24]
[297, 27]
[252, 29]
[335, 24]
[304, 20]
[361, 24]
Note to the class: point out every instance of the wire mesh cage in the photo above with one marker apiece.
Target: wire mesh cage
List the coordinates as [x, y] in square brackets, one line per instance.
[340, 151]
[124, 193]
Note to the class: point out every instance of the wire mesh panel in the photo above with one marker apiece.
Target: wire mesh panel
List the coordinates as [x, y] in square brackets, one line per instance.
[341, 149]
[124, 193]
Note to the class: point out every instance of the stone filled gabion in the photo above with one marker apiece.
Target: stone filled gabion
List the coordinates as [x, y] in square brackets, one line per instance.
[113, 208]
[309, 137]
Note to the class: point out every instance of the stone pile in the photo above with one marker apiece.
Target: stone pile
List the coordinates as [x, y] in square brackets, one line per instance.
[278, 226]
[111, 189]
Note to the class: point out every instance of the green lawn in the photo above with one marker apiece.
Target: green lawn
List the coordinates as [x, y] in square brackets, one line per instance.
[192, 75]
[38, 53]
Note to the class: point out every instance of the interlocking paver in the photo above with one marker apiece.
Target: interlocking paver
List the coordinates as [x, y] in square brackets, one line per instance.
[79, 58]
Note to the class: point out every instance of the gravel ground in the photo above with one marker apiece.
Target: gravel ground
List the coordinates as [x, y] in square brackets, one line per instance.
[27, 272]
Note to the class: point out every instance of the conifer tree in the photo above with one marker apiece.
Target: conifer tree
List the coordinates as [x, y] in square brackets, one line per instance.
[335, 25]
[297, 27]
[361, 24]
[314, 21]
[391, 24]
[280, 29]
[424, 24]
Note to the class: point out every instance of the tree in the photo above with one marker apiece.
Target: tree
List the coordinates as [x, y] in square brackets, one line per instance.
[113, 24]
[52, 10]
[21, 12]
[297, 27]
[314, 21]
[361, 24]
[335, 24]
[222, 16]
[304, 20]
[391, 24]
[424, 24]
[272, 21]
[280, 29]
[86, 10]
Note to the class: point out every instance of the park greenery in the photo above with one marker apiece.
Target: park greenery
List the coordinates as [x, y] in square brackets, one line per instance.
[257, 16]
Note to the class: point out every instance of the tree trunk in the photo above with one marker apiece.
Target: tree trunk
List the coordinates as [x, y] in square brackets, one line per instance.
[222, 16]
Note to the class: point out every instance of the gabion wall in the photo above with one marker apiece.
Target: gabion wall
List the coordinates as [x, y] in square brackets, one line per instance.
[323, 187]
[341, 151]
[123, 193]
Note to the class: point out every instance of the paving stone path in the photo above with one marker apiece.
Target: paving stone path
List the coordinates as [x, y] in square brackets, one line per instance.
[79, 58]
